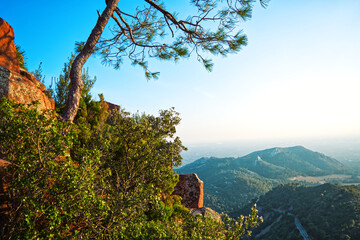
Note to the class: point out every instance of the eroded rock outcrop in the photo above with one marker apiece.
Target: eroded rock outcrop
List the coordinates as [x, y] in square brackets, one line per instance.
[191, 189]
[16, 83]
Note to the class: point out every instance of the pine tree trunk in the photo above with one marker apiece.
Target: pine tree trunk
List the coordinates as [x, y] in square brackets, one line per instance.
[76, 83]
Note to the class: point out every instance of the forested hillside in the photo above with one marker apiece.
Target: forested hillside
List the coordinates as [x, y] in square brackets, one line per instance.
[326, 212]
[230, 183]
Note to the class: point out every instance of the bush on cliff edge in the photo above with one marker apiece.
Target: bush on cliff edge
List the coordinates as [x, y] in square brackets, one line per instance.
[114, 183]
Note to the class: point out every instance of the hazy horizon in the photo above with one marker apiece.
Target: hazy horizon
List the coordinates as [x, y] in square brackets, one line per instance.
[344, 149]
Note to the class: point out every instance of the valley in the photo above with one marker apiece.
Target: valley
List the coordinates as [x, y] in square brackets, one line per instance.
[325, 211]
[334, 178]
[230, 183]
[307, 189]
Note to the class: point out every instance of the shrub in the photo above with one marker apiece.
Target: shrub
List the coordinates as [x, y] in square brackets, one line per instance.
[115, 183]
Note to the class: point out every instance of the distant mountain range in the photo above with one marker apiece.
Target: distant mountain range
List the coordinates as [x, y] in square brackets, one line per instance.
[325, 212]
[230, 183]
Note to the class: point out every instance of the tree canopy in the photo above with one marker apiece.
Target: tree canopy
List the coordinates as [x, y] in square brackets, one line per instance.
[153, 31]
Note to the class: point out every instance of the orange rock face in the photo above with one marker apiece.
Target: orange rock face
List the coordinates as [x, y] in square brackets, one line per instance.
[191, 189]
[8, 56]
[15, 83]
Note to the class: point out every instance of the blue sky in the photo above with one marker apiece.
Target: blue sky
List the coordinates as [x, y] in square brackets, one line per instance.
[298, 77]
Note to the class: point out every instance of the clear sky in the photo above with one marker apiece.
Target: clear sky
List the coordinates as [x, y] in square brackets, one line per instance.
[299, 76]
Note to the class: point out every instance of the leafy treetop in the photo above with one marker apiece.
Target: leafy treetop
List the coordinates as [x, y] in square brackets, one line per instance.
[152, 31]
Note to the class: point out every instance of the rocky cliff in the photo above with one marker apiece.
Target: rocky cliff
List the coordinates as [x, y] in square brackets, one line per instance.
[16, 83]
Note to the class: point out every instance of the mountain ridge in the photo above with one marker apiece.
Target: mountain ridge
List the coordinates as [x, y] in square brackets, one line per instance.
[230, 183]
[312, 163]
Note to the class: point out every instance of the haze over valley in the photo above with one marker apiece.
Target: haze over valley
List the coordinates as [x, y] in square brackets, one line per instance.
[345, 149]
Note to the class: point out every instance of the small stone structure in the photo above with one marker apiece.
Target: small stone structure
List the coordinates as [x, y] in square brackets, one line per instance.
[16, 83]
[190, 188]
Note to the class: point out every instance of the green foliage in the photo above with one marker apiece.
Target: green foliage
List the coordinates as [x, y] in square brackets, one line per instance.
[62, 87]
[152, 31]
[53, 195]
[242, 225]
[114, 183]
[38, 73]
[91, 113]
[21, 56]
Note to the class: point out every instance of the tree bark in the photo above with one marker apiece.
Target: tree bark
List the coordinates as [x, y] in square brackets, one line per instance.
[76, 83]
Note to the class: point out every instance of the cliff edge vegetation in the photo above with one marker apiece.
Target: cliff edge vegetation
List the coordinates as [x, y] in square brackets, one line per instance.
[112, 180]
